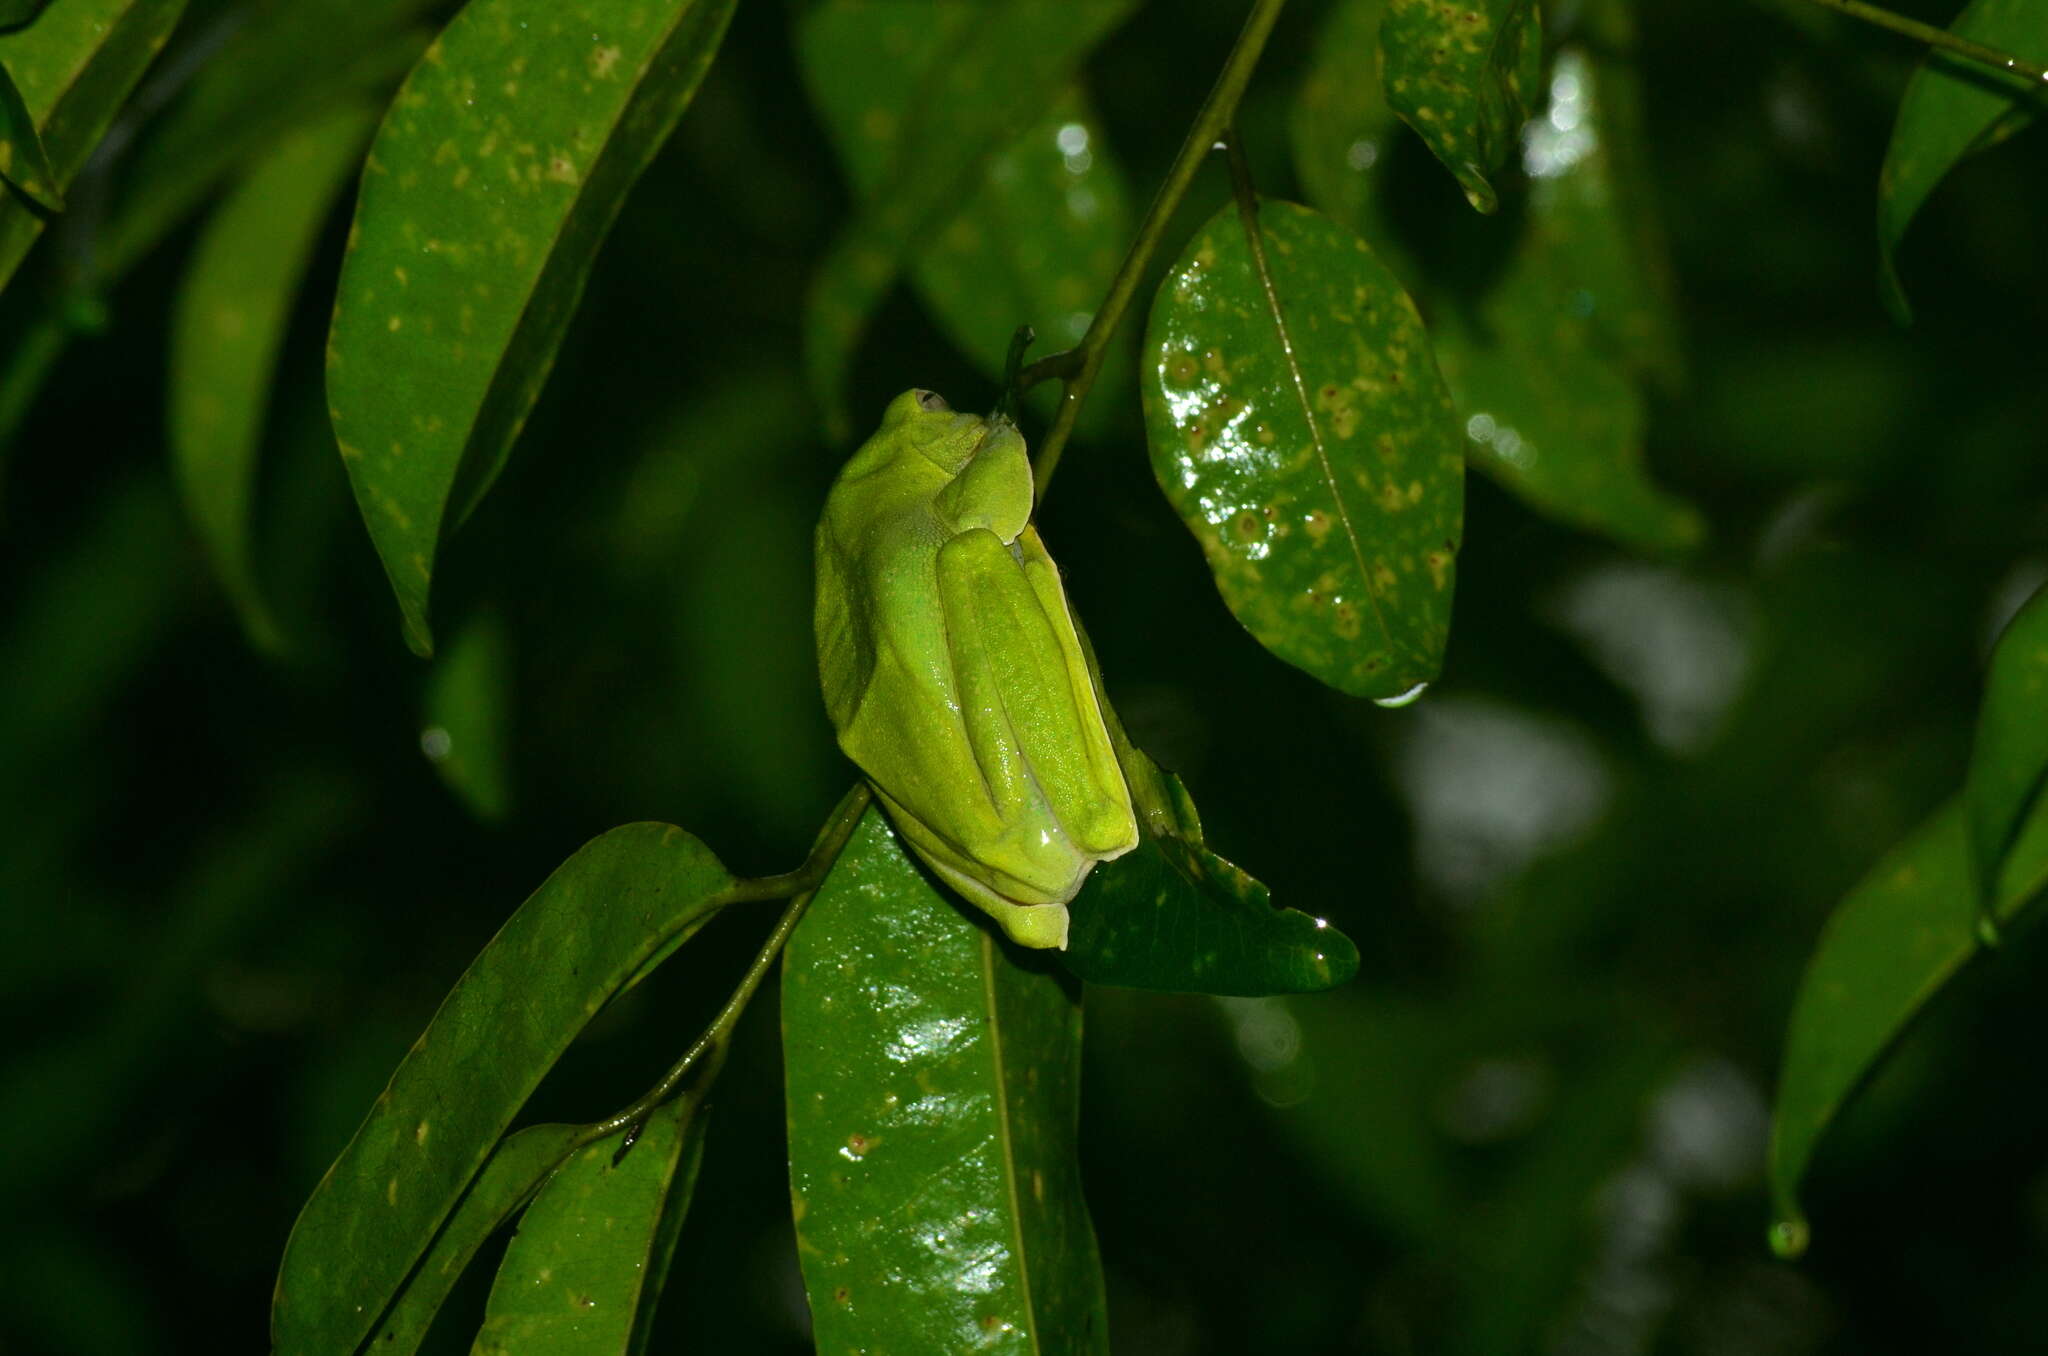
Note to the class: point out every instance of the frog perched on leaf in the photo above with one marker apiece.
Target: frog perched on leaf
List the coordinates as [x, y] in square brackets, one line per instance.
[953, 670]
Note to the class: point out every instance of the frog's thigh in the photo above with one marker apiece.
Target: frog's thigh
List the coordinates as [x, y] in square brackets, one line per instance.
[1017, 696]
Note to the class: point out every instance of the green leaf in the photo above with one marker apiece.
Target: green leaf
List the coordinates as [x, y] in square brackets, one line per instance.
[1035, 239]
[1342, 129]
[490, 187]
[2009, 764]
[73, 68]
[229, 324]
[584, 1271]
[23, 162]
[1004, 69]
[280, 66]
[1890, 947]
[467, 717]
[1464, 75]
[516, 1169]
[15, 13]
[575, 942]
[1172, 915]
[933, 1078]
[1952, 107]
[1304, 435]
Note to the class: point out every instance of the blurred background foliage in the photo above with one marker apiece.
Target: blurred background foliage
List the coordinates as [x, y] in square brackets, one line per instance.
[1584, 870]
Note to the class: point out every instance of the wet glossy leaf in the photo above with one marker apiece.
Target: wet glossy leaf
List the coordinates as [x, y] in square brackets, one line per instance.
[280, 65]
[516, 1169]
[23, 162]
[583, 1273]
[1890, 947]
[575, 942]
[2009, 764]
[932, 1080]
[490, 187]
[1305, 437]
[1172, 915]
[1465, 75]
[466, 734]
[230, 321]
[73, 68]
[1545, 368]
[1342, 129]
[1035, 240]
[1952, 107]
[1003, 70]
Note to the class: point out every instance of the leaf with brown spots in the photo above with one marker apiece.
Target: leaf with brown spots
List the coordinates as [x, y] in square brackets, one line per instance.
[487, 194]
[1303, 433]
[585, 1269]
[1464, 74]
[933, 1073]
[594, 927]
[71, 70]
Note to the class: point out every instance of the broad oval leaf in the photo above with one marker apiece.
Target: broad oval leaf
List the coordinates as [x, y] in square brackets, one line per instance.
[1890, 947]
[490, 187]
[583, 1274]
[1005, 66]
[933, 1078]
[1036, 240]
[1172, 915]
[2009, 764]
[516, 1169]
[226, 331]
[1465, 77]
[1952, 107]
[584, 935]
[73, 68]
[1303, 433]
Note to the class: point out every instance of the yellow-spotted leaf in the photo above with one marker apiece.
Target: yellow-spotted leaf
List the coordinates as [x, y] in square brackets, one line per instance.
[226, 332]
[490, 187]
[1299, 426]
[1893, 944]
[73, 68]
[1464, 74]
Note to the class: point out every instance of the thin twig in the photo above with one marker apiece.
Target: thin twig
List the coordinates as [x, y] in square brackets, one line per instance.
[1078, 367]
[1937, 37]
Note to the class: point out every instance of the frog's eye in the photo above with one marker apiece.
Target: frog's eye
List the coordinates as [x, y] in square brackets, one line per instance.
[931, 402]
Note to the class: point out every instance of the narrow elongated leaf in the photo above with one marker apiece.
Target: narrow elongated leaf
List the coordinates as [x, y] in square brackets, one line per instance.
[1035, 240]
[466, 734]
[516, 1169]
[2009, 764]
[73, 68]
[1464, 76]
[279, 66]
[932, 1084]
[580, 938]
[585, 1269]
[1342, 129]
[1890, 947]
[23, 162]
[1008, 64]
[1303, 433]
[229, 324]
[1952, 107]
[491, 185]
[1172, 915]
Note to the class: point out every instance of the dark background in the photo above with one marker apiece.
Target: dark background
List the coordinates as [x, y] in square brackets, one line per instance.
[1584, 871]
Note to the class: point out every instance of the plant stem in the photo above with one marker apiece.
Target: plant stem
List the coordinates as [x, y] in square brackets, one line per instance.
[1937, 37]
[1078, 367]
[708, 1050]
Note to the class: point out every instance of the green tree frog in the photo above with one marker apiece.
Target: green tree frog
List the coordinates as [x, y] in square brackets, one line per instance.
[953, 671]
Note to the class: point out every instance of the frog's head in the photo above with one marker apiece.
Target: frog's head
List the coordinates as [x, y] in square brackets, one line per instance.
[925, 423]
